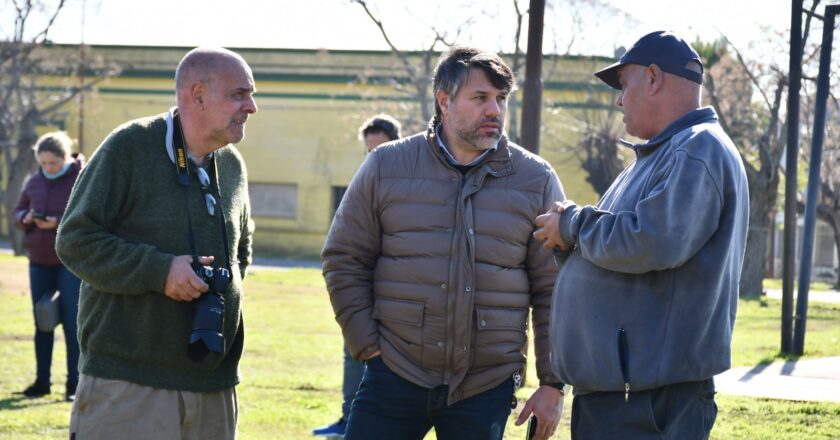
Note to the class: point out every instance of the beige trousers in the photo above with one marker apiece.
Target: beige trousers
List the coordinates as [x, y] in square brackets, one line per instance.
[115, 409]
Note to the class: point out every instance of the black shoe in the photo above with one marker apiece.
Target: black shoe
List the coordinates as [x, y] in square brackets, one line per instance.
[70, 392]
[37, 389]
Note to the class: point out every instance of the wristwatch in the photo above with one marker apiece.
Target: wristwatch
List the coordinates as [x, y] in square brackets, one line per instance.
[560, 386]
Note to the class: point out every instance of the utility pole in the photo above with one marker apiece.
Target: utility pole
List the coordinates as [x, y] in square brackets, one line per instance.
[791, 156]
[532, 96]
[814, 179]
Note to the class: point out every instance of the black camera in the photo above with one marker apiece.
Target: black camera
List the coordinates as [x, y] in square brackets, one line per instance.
[208, 321]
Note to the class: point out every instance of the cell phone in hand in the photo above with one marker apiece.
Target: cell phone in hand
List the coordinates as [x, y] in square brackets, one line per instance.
[39, 216]
[532, 427]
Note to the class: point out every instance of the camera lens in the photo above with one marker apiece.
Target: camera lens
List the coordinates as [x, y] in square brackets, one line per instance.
[207, 334]
[207, 327]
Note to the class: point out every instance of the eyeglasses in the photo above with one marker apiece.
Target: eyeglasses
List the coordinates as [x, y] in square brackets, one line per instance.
[209, 200]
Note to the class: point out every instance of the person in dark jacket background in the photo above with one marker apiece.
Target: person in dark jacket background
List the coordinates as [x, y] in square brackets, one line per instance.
[644, 305]
[38, 213]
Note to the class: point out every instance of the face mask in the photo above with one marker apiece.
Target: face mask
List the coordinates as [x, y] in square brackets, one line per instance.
[58, 174]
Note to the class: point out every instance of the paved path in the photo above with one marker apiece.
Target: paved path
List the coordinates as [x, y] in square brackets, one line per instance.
[829, 296]
[811, 380]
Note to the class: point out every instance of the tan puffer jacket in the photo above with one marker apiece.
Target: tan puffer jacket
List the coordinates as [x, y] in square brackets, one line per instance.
[437, 270]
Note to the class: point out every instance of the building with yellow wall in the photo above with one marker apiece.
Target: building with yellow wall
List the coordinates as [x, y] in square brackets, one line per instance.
[302, 146]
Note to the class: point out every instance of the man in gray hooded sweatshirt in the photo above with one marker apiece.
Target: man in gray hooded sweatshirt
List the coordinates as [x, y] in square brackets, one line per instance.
[644, 306]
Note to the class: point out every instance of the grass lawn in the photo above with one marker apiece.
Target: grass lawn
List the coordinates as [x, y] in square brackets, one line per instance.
[292, 365]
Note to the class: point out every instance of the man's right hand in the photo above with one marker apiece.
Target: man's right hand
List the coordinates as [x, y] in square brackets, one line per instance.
[372, 355]
[182, 284]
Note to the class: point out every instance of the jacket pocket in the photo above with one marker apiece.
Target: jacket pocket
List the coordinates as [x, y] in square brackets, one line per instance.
[494, 318]
[500, 336]
[401, 326]
[399, 311]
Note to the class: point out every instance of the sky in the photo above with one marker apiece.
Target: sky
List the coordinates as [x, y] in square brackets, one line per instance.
[340, 24]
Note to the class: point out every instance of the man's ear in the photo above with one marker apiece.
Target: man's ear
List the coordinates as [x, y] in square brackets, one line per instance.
[654, 77]
[442, 100]
[197, 93]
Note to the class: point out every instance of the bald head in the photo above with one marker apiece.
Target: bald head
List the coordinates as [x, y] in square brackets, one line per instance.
[214, 89]
[201, 63]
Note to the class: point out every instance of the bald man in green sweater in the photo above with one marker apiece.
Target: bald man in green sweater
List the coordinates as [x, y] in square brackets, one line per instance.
[162, 197]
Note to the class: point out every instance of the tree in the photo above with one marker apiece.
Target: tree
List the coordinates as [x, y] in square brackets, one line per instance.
[756, 126]
[419, 76]
[516, 66]
[598, 148]
[25, 62]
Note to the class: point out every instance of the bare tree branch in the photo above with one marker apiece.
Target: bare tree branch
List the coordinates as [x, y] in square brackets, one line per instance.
[24, 63]
[747, 70]
[42, 36]
[400, 54]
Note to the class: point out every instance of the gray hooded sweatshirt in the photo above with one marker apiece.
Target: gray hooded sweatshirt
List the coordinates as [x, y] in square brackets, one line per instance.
[649, 294]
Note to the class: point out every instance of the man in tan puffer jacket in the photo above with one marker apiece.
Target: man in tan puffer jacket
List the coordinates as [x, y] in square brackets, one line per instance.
[431, 268]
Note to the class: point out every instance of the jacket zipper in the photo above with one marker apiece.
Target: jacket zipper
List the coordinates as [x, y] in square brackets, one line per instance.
[453, 282]
[624, 361]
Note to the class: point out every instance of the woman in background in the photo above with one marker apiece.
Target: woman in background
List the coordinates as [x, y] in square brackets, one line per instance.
[38, 213]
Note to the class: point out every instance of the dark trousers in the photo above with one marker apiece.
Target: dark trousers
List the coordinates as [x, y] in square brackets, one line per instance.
[684, 411]
[390, 407]
[353, 372]
[46, 280]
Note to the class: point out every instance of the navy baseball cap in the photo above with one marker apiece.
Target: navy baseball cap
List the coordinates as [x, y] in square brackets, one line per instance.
[663, 48]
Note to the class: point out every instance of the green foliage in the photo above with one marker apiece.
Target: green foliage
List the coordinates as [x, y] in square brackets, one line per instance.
[710, 51]
[768, 419]
[293, 359]
[757, 336]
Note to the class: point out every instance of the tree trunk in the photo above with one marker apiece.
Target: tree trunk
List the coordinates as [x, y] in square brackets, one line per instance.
[752, 273]
[762, 201]
[513, 132]
[833, 219]
[18, 170]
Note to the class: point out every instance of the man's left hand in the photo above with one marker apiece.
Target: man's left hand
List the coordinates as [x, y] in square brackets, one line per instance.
[549, 226]
[547, 405]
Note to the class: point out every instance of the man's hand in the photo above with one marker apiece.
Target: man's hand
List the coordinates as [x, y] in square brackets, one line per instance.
[547, 405]
[372, 355]
[182, 284]
[549, 226]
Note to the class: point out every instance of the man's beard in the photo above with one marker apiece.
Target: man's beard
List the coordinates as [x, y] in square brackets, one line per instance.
[470, 134]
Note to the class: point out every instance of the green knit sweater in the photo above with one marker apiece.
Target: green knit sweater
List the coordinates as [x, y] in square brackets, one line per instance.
[124, 224]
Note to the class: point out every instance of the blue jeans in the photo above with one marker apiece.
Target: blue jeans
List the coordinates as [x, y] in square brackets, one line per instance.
[353, 372]
[390, 407]
[47, 279]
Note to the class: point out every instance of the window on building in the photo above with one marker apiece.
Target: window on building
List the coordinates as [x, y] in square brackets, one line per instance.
[337, 195]
[273, 200]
